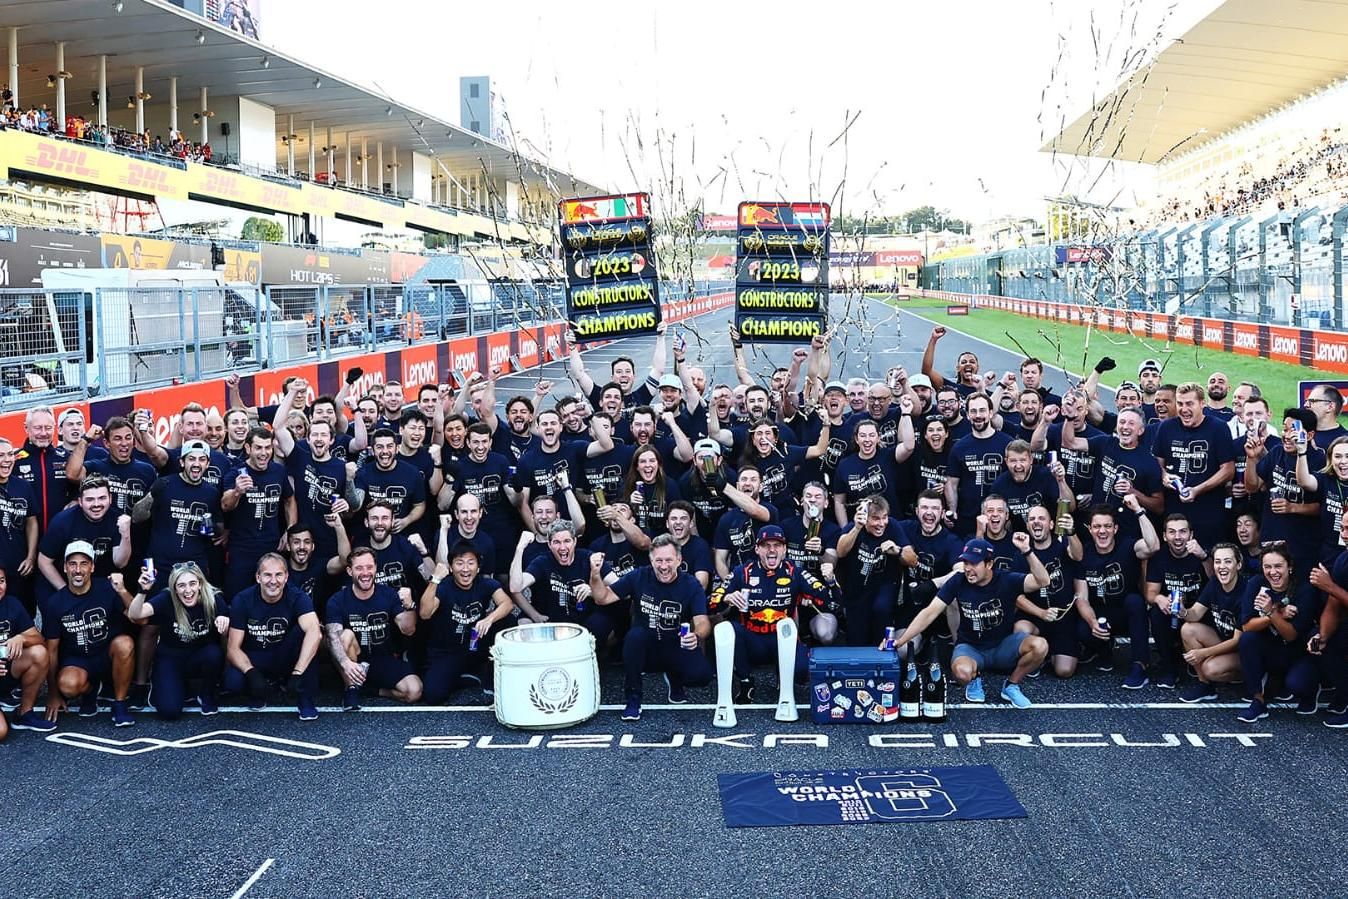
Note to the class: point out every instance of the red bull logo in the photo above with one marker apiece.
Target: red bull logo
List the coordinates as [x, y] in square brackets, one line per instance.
[753, 216]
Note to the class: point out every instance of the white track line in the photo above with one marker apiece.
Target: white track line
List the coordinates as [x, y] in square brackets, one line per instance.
[248, 884]
[707, 707]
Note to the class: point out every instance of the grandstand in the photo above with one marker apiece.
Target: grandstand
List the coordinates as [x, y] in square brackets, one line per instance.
[1241, 119]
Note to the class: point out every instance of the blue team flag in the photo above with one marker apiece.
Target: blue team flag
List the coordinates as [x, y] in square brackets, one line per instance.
[866, 796]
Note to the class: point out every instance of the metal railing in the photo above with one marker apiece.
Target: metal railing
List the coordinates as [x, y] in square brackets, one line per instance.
[68, 345]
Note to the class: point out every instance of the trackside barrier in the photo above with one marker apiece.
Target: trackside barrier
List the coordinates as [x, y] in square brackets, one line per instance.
[1308, 347]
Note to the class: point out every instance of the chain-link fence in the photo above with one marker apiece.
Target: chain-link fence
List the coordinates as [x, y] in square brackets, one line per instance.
[44, 346]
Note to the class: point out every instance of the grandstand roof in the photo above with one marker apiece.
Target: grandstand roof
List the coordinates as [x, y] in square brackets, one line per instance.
[1245, 59]
[162, 38]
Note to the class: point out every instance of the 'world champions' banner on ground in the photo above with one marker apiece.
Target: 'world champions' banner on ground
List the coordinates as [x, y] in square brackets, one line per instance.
[866, 796]
[612, 286]
[781, 271]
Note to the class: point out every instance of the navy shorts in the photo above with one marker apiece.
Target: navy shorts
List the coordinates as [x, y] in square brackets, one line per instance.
[1000, 656]
[386, 672]
[98, 667]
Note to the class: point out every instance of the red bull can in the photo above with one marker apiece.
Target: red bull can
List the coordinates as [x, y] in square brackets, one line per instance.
[685, 629]
[148, 566]
[889, 638]
[472, 640]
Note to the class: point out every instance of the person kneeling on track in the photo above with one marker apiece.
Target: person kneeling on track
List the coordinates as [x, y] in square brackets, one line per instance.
[84, 624]
[460, 612]
[190, 619]
[359, 623]
[1211, 626]
[669, 621]
[758, 596]
[1061, 612]
[987, 639]
[1328, 645]
[273, 634]
[1277, 618]
[23, 664]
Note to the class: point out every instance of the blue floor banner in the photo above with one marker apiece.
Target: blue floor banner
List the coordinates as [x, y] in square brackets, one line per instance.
[866, 796]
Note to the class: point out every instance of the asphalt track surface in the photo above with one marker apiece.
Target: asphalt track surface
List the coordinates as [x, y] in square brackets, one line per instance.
[1127, 793]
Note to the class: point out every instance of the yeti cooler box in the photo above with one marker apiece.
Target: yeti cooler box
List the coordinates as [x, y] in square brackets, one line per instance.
[854, 685]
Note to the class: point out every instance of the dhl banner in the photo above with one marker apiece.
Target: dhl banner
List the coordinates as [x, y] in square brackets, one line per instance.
[46, 158]
[1322, 350]
[49, 158]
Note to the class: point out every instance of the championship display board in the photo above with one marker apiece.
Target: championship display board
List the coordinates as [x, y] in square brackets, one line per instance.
[781, 271]
[612, 287]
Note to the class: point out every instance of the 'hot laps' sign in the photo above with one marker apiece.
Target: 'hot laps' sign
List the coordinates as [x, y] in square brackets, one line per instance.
[612, 286]
[781, 271]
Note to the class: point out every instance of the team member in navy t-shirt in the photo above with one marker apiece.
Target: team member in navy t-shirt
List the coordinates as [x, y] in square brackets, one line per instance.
[987, 638]
[1179, 569]
[360, 621]
[259, 503]
[84, 624]
[392, 480]
[486, 475]
[868, 553]
[273, 638]
[1196, 449]
[184, 515]
[663, 598]
[24, 665]
[18, 527]
[1278, 615]
[460, 613]
[560, 585]
[317, 477]
[1110, 568]
[128, 478]
[1211, 626]
[975, 462]
[92, 520]
[191, 619]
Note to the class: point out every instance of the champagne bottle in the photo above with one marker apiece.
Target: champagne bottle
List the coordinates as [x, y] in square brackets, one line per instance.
[933, 693]
[910, 692]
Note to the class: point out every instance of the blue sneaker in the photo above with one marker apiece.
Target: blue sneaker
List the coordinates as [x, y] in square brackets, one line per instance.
[31, 720]
[973, 691]
[1256, 711]
[1198, 692]
[1337, 721]
[121, 715]
[351, 700]
[1166, 680]
[677, 694]
[88, 705]
[632, 711]
[1137, 677]
[1013, 694]
[308, 711]
[207, 705]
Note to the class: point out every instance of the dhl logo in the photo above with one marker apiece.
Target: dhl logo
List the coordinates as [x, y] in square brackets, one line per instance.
[145, 178]
[275, 196]
[759, 215]
[62, 160]
[222, 185]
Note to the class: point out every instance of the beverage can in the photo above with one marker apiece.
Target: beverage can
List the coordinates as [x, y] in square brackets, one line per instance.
[1103, 623]
[685, 629]
[472, 640]
[889, 638]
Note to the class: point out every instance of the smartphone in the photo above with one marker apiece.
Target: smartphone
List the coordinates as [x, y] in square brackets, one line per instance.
[515, 363]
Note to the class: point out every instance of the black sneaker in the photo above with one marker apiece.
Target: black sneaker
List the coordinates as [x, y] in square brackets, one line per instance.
[677, 694]
[744, 691]
[139, 697]
[632, 711]
[88, 705]
[1198, 692]
[1307, 706]
[351, 700]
